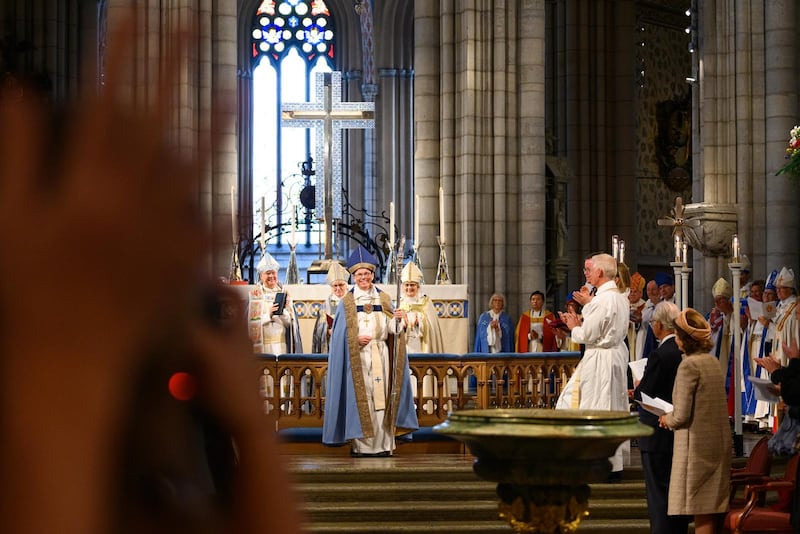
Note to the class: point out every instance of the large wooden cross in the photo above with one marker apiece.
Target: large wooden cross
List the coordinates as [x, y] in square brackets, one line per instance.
[328, 115]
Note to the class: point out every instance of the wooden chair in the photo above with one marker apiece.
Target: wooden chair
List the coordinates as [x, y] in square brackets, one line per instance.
[755, 471]
[754, 516]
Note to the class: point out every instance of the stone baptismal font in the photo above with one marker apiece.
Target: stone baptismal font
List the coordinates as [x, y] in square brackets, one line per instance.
[542, 460]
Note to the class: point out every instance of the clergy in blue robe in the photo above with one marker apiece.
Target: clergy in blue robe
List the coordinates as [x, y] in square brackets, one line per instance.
[495, 331]
[369, 399]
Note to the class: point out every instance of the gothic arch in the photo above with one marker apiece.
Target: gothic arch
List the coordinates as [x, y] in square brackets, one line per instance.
[378, 164]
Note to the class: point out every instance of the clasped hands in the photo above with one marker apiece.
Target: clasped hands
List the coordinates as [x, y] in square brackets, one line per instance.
[771, 364]
[583, 296]
[570, 319]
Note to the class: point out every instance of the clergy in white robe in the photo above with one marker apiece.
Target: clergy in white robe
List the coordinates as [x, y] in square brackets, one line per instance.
[273, 328]
[337, 279]
[754, 347]
[419, 318]
[786, 325]
[600, 379]
[368, 395]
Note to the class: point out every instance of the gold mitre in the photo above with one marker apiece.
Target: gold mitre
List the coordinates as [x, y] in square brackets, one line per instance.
[721, 288]
[411, 273]
[336, 272]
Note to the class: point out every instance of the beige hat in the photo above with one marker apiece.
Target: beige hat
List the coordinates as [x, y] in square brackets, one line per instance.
[721, 288]
[785, 278]
[336, 272]
[411, 273]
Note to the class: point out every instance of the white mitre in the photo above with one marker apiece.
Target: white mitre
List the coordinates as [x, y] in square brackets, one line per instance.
[785, 278]
[268, 263]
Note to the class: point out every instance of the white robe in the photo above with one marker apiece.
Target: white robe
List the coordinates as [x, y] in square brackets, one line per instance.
[423, 334]
[375, 369]
[600, 380]
[786, 328]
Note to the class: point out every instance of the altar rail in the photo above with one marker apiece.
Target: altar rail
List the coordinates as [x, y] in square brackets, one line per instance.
[292, 386]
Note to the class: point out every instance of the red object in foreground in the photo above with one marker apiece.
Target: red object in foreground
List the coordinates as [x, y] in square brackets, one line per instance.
[182, 386]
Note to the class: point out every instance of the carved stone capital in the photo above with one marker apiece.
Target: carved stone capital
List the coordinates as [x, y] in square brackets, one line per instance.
[717, 226]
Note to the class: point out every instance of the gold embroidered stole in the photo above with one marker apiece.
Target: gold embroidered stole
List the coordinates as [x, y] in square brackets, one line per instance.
[351, 316]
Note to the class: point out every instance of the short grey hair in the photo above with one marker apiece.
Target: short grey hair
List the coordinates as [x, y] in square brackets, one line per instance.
[605, 263]
[665, 313]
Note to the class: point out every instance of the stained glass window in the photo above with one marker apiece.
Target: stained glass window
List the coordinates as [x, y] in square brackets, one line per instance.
[291, 40]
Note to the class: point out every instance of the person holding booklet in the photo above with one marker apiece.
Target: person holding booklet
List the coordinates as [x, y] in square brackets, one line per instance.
[754, 345]
[656, 450]
[272, 323]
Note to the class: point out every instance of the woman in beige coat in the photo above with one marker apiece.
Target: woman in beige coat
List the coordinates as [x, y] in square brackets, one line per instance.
[701, 461]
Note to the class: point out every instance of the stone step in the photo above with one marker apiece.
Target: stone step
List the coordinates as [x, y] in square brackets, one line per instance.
[466, 510]
[436, 494]
[365, 470]
[439, 491]
[415, 526]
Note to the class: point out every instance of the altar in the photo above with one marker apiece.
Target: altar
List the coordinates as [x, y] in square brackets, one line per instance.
[451, 302]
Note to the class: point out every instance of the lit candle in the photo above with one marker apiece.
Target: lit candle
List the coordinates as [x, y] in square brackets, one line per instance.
[234, 232]
[416, 220]
[735, 248]
[615, 246]
[441, 215]
[263, 231]
[621, 251]
[678, 246]
[684, 253]
[391, 224]
[294, 220]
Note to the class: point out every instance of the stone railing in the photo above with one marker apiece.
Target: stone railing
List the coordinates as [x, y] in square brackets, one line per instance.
[292, 386]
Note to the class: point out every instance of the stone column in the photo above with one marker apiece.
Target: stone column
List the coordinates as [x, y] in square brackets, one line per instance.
[781, 110]
[479, 111]
[429, 115]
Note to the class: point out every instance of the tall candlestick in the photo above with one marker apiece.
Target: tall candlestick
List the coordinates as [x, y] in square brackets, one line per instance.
[294, 220]
[391, 224]
[441, 215]
[234, 229]
[615, 246]
[735, 249]
[416, 220]
[263, 230]
[621, 251]
[678, 246]
[684, 253]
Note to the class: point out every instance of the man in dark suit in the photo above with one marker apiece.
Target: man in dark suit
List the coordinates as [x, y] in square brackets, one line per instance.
[656, 450]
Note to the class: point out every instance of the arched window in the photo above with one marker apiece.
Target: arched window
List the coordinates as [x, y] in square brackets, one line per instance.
[291, 41]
